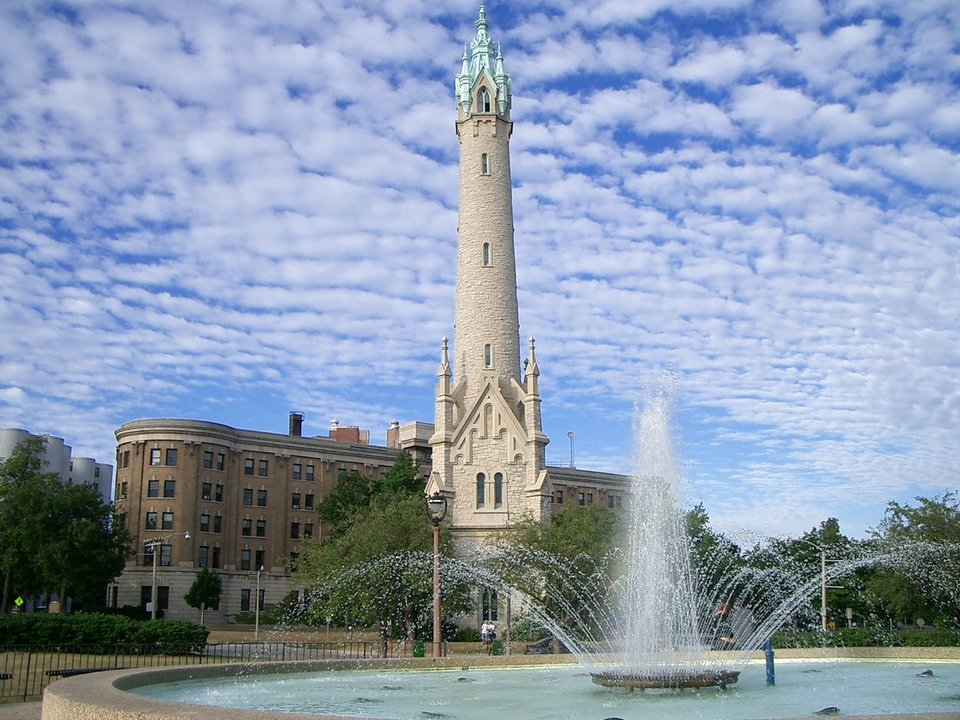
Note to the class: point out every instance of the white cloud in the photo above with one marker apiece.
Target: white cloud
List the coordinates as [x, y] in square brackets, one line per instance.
[227, 211]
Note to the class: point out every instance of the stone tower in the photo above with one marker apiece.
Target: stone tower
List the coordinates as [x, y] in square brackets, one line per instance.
[489, 446]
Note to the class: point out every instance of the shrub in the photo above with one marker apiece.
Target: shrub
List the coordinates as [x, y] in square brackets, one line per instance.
[467, 634]
[99, 632]
[170, 637]
[526, 629]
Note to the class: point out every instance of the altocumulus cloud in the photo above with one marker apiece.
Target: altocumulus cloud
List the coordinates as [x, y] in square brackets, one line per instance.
[228, 210]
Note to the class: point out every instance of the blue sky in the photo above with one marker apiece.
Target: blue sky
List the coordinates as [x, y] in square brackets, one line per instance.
[226, 211]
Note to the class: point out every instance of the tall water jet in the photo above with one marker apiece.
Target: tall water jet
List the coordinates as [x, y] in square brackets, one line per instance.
[661, 641]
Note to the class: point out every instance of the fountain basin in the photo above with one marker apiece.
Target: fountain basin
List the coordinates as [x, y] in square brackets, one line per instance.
[105, 695]
[677, 680]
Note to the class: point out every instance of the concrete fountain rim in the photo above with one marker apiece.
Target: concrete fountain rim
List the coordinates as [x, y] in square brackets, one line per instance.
[104, 695]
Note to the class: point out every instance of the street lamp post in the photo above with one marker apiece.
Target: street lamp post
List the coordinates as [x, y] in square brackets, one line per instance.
[256, 611]
[823, 581]
[155, 544]
[437, 507]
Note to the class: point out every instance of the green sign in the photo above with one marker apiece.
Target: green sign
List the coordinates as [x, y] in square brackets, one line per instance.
[18, 602]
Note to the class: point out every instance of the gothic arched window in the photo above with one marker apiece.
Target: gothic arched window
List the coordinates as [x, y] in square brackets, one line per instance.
[483, 100]
[481, 489]
[498, 490]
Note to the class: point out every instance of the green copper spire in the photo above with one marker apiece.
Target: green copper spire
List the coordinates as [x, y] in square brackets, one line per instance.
[481, 66]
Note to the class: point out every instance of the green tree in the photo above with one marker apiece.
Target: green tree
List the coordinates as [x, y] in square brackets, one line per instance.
[375, 566]
[205, 592]
[352, 493]
[56, 538]
[25, 496]
[88, 546]
[714, 557]
[568, 565]
[926, 581]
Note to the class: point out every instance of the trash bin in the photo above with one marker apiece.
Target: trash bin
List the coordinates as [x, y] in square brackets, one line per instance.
[418, 648]
[497, 648]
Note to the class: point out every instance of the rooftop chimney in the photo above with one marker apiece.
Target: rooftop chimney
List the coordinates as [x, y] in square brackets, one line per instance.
[296, 424]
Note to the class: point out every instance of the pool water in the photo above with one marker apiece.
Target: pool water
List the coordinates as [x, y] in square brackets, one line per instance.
[561, 693]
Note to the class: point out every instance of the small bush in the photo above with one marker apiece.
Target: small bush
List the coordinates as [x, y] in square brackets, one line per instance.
[467, 634]
[526, 629]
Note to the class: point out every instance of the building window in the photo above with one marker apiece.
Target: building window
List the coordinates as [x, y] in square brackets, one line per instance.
[309, 476]
[248, 466]
[488, 355]
[166, 555]
[261, 528]
[169, 488]
[295, 501]
[308, 530]
[245, 600]
[483, 100]
[590, 498]
[248, 496]
[581, 499]
[166, 521]
[244, 559]
[558, 496]
[609, 501]
[206, 491]
[481, 489]
[220, 461]
[153, 488]
[498, 490]
[262, 468]
[203, 556]
[295, 530]
[261, 498]
[484, 166]
[171, 456]
[218, 523]
[151, 523]
[246, 526]
[204, 522]
[163, 596]
[259, 558]
[308, 501]
[489, 605]
[208, 459]
[123, 490]
[218, 495]
[215, 562]
[126, 458]
[297, 471]
[155, 456]
[486, 253]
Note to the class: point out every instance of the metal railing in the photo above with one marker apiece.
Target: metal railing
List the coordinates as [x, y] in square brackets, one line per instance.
[26, 670]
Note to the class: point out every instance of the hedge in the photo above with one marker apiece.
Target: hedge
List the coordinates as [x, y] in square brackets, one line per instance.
[100, 632]
[867, 637]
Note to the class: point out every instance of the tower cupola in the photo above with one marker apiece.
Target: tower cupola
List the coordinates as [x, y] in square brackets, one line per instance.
[482, 86]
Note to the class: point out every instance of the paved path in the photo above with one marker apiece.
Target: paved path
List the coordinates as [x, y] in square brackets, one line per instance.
[20, 711]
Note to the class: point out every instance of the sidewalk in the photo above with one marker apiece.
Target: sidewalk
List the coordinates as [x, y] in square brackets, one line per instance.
[20, 711]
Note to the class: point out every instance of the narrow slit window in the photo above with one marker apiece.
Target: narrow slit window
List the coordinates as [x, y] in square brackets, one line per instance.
[485, 164]
[481, 489]
[488, 355]
[486, 254]
[498, 490]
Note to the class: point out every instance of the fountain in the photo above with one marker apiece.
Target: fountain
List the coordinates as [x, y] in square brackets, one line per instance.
[645, 618]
